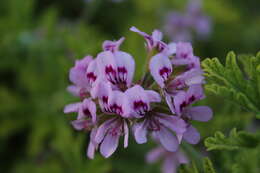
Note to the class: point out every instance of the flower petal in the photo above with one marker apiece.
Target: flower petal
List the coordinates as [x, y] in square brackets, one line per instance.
[74, 107]
[155, 154]
[194, 93]
[161, 68]
[125, 67]
[167, 139]
[174, 123]
[79, 124]
[157, 35]
[200, 113]
[112, 45]
[138, 101]
[140, 132]
[126, 133]
[92, 145]
[109, 145]
[102, 130]
[191, 135]
[179, 102]
[153, 96]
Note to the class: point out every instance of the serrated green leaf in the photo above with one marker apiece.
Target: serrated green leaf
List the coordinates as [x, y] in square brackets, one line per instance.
[207, 165]
[240, 85]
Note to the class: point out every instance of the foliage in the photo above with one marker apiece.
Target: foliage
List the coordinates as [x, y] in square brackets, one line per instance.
[234, 141]
[234, 83]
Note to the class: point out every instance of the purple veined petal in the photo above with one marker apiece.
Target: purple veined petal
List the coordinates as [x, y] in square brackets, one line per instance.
[167, 139]
[155, 154]
[74, 90]
[200, 113]
[74, 107]
[195, 63]
[140, 132]
[138, 101]
[150, 43]
[107, 66]
[126, 134]
[125, 67]
[157, 35]
[101, 88]
[194, 93]
[109, 145]
[160, 68]
[153, 96]
[169, 165]
[191, 135]
[88, 108]
[92, 145]
[102, 130]
[116, 105]
[112, 45]
[184, 50]
[174, 123]
[92, 72]
[80, 124]
[179, 102]
[77, 73]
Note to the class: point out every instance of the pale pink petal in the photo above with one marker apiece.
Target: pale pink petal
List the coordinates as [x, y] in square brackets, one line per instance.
[79, 124]
[140, 132]
[167, 139]
[157, 35]
[160, 68]
[155, 154]
[174, 123]
[112, 45]
[170, 49]
[153, 96]
[125, 67]
[74, 107]
[92, 71]
[179, 100]
[102, 130]
[134, 29]
[200, 113]
[194, 93]
[169, 165]
[117, 105]
[74, 90]
[100, 88]
[126, 133]
[92, 145]
[138, 101]
[109, 145]
[191, 135]
[91, 107]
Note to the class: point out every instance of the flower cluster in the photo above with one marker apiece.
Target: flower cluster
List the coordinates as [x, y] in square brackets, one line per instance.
[160, 104]
[179, 26]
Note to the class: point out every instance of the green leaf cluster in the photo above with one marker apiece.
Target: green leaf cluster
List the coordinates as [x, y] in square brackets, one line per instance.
[235, 141]
[239, 83]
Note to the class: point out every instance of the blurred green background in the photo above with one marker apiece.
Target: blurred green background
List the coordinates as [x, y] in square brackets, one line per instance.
[39, 41]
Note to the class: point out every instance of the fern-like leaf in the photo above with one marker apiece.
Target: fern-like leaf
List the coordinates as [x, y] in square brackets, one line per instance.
[234, 141]
[239, 84]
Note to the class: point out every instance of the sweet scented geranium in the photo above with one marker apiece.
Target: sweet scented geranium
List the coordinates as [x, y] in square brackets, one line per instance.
[158, 106]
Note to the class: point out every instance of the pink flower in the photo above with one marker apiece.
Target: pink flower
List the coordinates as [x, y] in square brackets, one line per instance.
[181, 105]
[86, 114]
[171, 160]
[82, 75]
[161, 126]
[184, 54]
[108, 135]
[139, 101]
[116, 66]
[152, 41]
